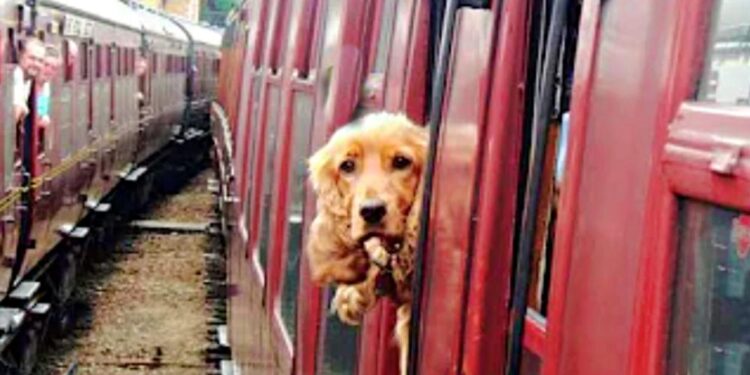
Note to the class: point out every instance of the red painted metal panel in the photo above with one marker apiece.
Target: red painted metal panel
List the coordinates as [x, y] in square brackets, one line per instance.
[491, 267]
[616, 123]
[446, 259]
[400, 51]
[415, 79]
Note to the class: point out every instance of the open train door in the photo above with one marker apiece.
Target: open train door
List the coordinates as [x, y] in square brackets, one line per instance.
[11, 183]
[652, 268]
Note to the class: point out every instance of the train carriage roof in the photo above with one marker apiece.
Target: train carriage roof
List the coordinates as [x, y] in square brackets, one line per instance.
[109, 11]
[161, 25]
[202, 34]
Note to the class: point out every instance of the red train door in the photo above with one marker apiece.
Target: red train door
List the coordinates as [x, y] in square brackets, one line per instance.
[297, 66]
[654, 235]
[692, 317]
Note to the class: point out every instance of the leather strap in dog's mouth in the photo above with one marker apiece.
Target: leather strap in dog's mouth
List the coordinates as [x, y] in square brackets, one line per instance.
[393, 244]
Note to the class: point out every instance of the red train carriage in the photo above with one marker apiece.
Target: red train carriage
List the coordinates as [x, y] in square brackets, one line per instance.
[587, 186]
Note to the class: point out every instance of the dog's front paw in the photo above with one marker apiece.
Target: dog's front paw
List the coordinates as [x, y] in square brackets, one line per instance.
[350, 304]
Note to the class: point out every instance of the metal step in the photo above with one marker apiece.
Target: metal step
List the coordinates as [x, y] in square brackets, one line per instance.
[170, 226]
[41, 309]
[221, 336]
[136, 174]
[10, 319]
[72, 231]
[227, 367]
[25, 291]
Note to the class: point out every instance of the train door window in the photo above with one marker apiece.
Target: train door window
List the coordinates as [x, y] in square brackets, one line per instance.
[302, 120]
[98, 61]
[122, 61]
[85, 61]
[9, 126]
[726, 78]
[272, 125]
[68, 62]
[118, 61]
[108, 61]
[385, 34]
[252, 144]
[11, 52]
[131, 61]
[301, 45]
[279, 34]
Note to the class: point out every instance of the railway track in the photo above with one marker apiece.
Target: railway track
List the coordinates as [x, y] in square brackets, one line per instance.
[156, 303]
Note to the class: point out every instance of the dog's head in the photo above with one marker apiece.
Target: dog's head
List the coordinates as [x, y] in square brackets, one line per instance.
[368, 173]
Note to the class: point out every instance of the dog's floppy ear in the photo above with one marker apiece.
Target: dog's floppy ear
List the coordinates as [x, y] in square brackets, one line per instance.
[330, 198]
[319, 169]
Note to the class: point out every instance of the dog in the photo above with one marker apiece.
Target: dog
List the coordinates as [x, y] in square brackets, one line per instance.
[368, 184]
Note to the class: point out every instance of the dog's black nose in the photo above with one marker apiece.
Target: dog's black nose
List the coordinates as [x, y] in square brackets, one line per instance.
[372, 210]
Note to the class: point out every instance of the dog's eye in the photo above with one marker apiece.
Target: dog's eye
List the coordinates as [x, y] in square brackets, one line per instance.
[401, 162]
[347, 166]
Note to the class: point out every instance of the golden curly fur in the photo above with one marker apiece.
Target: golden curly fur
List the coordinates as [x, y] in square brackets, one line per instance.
[367, 179]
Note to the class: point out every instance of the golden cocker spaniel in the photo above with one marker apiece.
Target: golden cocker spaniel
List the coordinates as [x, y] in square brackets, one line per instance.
[367, 179]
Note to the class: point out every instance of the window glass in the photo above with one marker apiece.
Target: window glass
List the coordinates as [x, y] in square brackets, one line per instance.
[253, 130]
[268, 174]
[131, 60]
[10, 49]
[302, 21]
[9, 129]
[117, 61]
[98, 61]
[302, 121]
[109, 56]
[387, 23]
[710, 325]
[67, 62]
[122, 65]
[279, 38]
[726, 78]
[85, 57]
